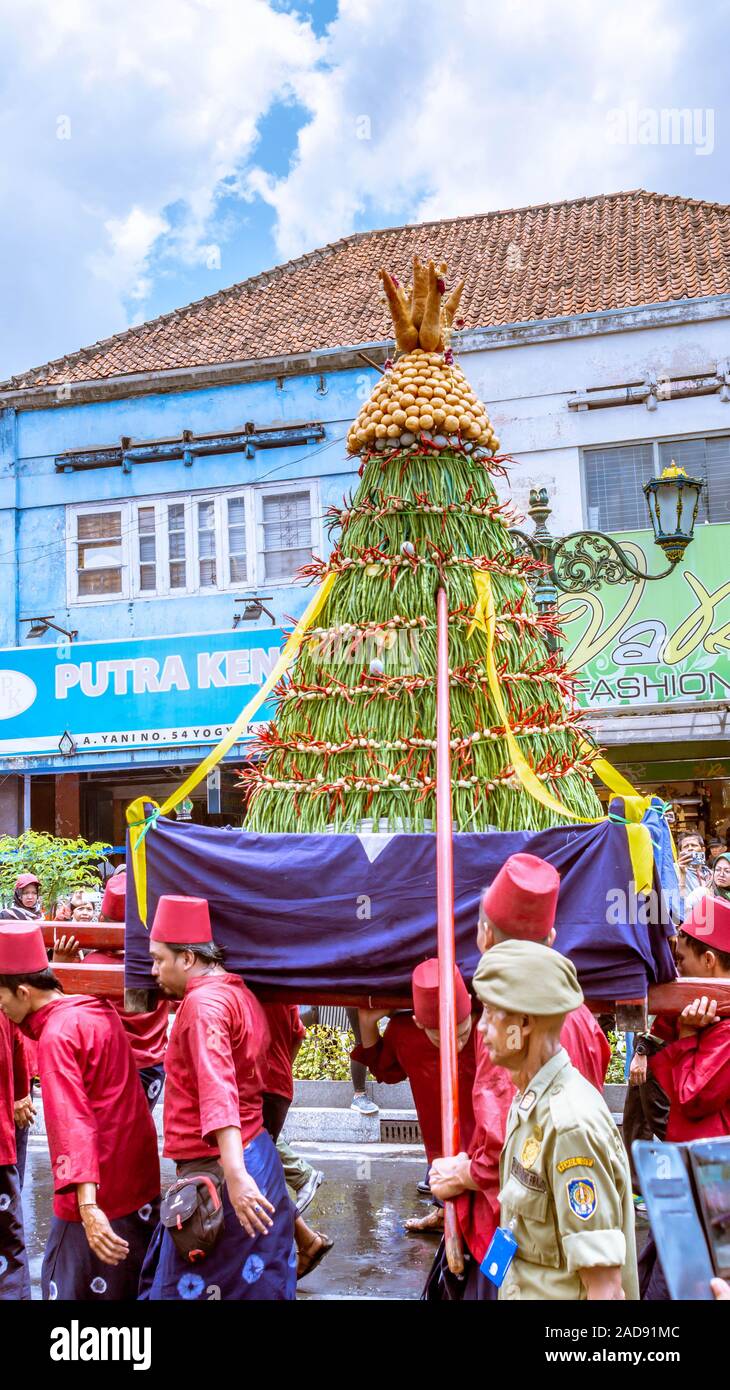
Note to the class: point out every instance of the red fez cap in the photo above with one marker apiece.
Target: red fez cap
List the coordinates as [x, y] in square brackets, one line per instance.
[522, 900]
[22, 951]
[425, 984]
[25, 880]
[115, 897]
[708, 923]
[181, 921]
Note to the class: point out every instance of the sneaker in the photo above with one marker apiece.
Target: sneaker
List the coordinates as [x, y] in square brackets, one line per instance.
[423, 1188]
[364, 1105]
[307, 1191]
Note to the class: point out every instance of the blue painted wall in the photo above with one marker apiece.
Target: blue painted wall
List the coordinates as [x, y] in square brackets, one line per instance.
[34, 496]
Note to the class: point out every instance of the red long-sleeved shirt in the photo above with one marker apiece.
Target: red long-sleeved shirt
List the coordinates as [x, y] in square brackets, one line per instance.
[478, 1211]
[404, 1052]
[285, 1031]
[695, 1073]
[146, 1033]
[214, 1068]
[97, 1119]
[14, 1085]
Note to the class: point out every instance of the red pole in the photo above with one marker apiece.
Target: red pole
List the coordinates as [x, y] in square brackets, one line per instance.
[446, 946]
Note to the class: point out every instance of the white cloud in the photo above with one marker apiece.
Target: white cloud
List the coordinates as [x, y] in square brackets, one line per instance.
[470, 107]
[122, 125]
[110, 116]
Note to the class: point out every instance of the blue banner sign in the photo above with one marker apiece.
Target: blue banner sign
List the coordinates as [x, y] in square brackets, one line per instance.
[150, 692]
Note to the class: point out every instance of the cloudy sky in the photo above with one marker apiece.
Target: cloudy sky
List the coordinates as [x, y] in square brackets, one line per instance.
[156, 151]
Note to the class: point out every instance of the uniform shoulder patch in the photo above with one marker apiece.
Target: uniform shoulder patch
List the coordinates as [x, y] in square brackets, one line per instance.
[562, 1110]
[570, 1103]
[579, 1161]
[582, 1197]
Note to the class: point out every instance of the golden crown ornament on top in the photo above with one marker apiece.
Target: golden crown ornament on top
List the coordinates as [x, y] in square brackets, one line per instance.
[424, 394]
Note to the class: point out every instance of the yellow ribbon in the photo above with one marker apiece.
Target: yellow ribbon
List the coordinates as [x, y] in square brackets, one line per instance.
[138, 819]
[639, 838]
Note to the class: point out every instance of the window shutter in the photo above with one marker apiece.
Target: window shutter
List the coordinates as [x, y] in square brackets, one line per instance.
[613, 477]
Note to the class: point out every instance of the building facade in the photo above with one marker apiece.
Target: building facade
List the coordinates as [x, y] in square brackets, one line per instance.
[158, 493]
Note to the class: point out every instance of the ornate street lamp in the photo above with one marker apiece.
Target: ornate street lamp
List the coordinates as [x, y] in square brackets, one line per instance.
[586, 559]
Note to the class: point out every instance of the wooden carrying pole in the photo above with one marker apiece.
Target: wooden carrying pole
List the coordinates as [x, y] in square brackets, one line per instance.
[446, 945]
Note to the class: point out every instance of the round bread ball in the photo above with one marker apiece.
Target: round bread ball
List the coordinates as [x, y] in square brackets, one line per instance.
[407, 398]
[399, 417]
[426, 392]
[427, 422]
[381, 431]
[439, 416]
[464, 422]
[376, 417]
[474, 430]
[451, 424]
[361, 437]
[393, 431]
[495, 444]
[387, 418]
[413, 423]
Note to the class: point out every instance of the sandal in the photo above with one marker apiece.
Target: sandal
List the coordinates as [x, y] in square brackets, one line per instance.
[306, 1262]
[425, 1225]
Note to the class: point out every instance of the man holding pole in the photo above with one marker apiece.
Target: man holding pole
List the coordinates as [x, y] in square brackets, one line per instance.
[14, 1280]
[519, 904]
[409, 1050]
[565, 1186]
[102, 1140]
[227, 1224]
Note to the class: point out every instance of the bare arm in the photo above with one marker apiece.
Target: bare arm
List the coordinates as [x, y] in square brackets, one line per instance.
[102, 1239]
[249, 1204]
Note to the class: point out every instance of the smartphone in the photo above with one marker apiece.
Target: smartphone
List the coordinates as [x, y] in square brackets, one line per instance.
[675, 1224]
[710, 1167]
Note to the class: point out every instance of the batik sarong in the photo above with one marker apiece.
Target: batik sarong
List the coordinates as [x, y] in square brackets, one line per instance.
[14, 1277]
[262, 1267]
[72, 1271]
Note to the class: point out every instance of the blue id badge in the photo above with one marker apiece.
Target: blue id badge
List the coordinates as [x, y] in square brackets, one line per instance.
[499, 1256]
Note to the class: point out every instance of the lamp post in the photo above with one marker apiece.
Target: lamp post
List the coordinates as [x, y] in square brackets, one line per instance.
[587, 559]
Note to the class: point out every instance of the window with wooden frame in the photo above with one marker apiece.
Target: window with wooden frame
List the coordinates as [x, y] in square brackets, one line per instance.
[201, 543]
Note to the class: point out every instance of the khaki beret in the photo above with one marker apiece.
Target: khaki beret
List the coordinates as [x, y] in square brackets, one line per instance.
[524, 977]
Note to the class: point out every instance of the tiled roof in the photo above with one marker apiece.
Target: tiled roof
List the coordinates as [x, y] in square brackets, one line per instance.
[612, 251]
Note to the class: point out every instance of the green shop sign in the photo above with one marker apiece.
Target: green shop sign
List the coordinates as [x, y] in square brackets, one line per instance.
[647, 644]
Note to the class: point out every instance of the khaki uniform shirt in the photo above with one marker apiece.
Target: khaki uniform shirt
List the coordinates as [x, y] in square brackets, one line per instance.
[565, 1187]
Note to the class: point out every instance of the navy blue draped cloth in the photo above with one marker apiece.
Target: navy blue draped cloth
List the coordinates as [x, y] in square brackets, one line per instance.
[320, 916]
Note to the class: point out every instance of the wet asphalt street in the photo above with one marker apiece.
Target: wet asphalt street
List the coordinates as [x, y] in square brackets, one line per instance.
[361, 1205]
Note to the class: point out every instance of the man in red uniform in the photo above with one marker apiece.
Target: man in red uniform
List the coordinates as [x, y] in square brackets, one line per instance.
[693, 1068]
[409, 1050]
[101, 1137]
[14, 1278]
[146, 1032]
[519, 905]
[213, 1122]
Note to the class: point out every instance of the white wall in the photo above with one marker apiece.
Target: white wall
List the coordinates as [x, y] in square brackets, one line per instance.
[527, 387]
